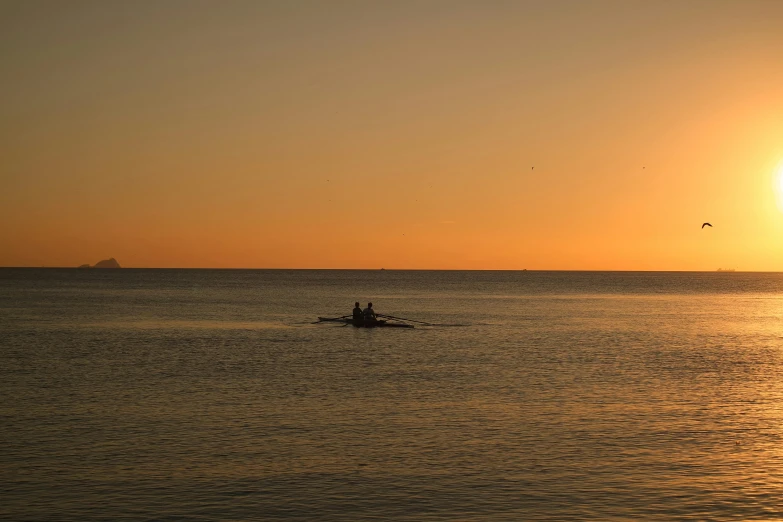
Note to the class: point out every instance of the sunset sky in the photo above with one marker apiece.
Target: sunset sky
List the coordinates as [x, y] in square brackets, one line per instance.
[593, 135]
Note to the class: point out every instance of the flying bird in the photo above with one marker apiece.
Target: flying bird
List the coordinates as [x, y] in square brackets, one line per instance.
[706, 225]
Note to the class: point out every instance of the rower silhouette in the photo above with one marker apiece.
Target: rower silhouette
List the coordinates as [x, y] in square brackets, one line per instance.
[358, 315]
[369, 314]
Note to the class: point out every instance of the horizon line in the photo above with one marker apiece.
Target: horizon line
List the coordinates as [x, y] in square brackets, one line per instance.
[730, 270]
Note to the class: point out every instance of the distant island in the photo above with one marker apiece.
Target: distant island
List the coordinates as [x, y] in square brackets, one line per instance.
[725, 270]
[106, 263]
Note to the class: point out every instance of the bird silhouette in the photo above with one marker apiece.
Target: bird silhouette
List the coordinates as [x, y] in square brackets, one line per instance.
[705, 225]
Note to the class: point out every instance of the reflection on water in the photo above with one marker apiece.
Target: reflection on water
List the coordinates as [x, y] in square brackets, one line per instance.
[193, 394]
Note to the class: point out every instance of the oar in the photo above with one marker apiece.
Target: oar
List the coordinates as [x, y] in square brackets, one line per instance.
[325, 319]
[403, 319]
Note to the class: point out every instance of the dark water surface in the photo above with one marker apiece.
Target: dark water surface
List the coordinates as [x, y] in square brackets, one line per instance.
[204, 395]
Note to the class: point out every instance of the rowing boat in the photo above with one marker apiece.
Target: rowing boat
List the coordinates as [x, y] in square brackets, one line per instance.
[380, 323]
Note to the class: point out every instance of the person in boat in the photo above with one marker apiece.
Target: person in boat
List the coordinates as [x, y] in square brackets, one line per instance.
[369, 314]
[358, 314]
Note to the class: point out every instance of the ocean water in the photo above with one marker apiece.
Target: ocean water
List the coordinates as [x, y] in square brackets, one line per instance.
[208, 395]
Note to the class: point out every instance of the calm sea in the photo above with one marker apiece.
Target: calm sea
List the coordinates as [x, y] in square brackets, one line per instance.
[208, 395]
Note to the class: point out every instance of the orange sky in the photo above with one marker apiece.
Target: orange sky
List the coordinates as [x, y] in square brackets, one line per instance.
[353, 134]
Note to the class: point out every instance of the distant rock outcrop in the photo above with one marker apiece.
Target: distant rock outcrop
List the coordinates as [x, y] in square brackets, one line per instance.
[106, 263]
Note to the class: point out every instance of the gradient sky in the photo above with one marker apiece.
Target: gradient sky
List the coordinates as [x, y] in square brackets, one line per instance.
[367, 134]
